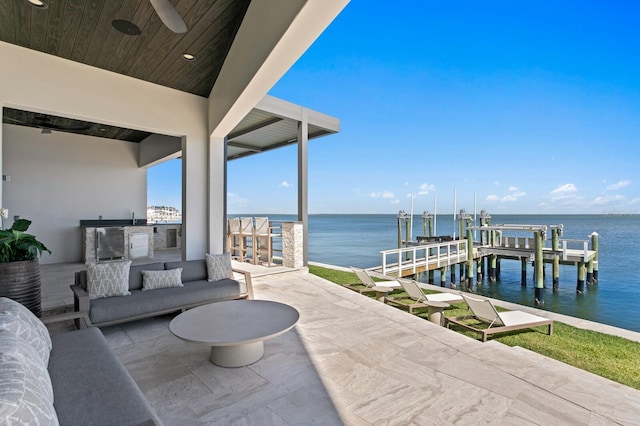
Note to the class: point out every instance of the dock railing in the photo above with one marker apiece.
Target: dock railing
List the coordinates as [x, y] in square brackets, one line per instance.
[410, 260]
[583, 243]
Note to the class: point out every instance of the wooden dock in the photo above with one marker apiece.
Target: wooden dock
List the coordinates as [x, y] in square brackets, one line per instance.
[416, 259]
[482, 258]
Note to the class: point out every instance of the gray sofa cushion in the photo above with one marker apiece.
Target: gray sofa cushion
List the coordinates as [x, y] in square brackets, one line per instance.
[135, 273]
[147, 302]
[192, 270]
[91, 386]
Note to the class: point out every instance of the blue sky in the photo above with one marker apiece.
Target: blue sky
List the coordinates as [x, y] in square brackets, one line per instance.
[534, 107]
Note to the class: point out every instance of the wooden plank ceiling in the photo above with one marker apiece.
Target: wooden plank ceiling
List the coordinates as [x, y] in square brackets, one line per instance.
[82, 31]
[51, 123]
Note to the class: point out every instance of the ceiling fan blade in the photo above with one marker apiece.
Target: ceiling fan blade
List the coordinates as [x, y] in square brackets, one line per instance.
[169, 16]
[15, 120]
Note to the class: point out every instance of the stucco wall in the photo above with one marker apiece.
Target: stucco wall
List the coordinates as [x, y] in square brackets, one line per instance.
[59, 178]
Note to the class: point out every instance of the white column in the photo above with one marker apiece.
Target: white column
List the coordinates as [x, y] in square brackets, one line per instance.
[217, 195]
[303, 183]
[195, 200]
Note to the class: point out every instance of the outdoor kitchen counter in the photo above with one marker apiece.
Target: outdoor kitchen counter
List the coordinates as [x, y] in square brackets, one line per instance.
[133, 242]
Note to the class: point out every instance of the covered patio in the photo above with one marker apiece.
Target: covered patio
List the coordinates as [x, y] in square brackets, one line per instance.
[156, 95]
[353, 360]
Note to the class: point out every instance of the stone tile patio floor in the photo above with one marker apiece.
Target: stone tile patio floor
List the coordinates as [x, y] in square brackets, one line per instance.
[352, 360]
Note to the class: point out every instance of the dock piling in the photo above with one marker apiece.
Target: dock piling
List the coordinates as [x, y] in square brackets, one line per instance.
[493, 261]
[426, 217]
[469, 270]
[581, 273]
[539, 267]
[555, 246]
[443, 276]
[594, 247]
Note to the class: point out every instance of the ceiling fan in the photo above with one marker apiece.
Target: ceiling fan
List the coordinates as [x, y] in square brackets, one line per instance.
[169, 16]
[165, 10]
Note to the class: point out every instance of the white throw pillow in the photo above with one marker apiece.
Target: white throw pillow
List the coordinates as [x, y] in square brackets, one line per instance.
[108, 279]
[218, 266]
[19, 320]
[152, 280]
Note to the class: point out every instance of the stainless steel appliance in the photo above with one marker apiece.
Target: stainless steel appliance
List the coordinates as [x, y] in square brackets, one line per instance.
[109, 243]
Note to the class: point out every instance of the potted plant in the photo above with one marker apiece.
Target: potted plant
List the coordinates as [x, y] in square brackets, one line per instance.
[19, 267]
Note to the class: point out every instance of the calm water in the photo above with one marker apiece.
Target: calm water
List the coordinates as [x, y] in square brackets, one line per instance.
[356, 240]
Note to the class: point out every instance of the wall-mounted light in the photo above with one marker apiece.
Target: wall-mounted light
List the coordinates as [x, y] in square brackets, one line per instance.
[188, 56]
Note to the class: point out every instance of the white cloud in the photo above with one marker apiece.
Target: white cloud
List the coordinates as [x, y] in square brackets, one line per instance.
[514, 195]
[603, 201]
[284, 184]
[394, 202]
[618, 185]
[564, 189]
[564, 192]
[496, 183]
[635, 201]
[381, 194]
[426, 188]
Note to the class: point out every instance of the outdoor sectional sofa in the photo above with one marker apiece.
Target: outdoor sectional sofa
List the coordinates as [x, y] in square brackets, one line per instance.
[71, 378]
[195, 290]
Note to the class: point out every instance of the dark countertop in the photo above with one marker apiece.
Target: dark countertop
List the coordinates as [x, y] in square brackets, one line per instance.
[105, 223]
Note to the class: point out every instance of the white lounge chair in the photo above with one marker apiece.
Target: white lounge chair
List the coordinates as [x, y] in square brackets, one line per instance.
[499, 322]
[419, 298]
[368, 282]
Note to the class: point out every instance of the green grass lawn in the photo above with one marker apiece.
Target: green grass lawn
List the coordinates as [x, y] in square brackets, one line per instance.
[609, 356]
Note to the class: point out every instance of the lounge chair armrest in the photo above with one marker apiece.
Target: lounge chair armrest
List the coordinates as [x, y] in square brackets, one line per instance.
[247, 281]
[80, 298]
[69, 316]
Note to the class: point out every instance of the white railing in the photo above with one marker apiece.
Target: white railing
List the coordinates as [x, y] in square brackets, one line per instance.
[412, 258]
[585, 248]
[516, 242]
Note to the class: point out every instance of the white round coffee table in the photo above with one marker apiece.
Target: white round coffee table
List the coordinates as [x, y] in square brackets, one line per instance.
[235, 329]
